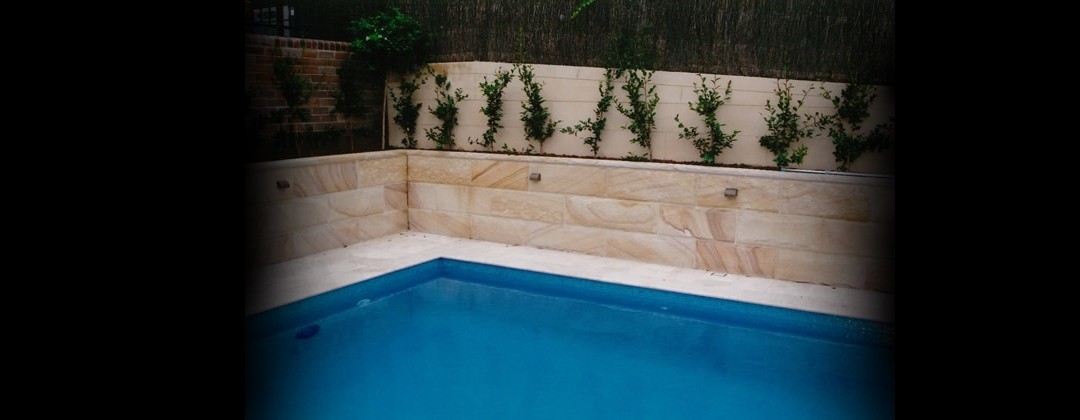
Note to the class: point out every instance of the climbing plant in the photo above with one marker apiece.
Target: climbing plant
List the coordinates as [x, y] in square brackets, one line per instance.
[492, 108]
[535, 116]
[595, 126]
[709, 101]
[786, 126]
[446, 110]
[407, 112]
[640, 108]
[297, 90]
[845, 129]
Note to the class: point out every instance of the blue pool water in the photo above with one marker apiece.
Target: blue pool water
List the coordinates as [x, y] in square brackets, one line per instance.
[450, 339]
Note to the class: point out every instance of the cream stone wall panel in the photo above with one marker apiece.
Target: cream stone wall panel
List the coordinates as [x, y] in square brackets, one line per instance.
[570, 91]
[746, 150]
[314, 240]
[697, 222]
[272, 249]
[760, 194]
[440, 170]
[548, 71]
[736, 259]
[668, 94]
[569, 179]
[500, 174]
[356, 203]
[882, 276]
[323, 178]
[814, 267]
[779, 230]
[611, 214]
[381, 171]
[449, 198]
[382, 224]
[652, 186]
[347, 232]
[261, 185]
[520, 205]
[858, 238]
[511, 115]
[505, 231]
[571, 238]
[829, 200]
[396, 196]
[672, 148]
[440, 223]
[670, 78]
[284, 216]
[657, 249]
[883, 204]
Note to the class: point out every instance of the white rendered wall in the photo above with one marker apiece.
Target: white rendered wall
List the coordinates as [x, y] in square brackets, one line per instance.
[571, 93]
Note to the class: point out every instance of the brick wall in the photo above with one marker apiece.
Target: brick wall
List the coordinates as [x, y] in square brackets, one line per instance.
[319, 60]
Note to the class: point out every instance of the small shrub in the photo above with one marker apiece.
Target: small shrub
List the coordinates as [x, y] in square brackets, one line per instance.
[595, 127]
[407, 112]
[786, 127]
[845, 126]
[641, 107]
[446, 110]
[708, 102]
[537, 118]
[493, 92]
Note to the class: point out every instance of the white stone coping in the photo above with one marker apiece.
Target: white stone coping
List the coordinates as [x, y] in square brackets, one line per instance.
[319, 160]
[293, 280]
[797, 175]
[816, 176]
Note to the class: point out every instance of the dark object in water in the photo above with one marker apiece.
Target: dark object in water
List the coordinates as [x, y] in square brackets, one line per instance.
[308, 331]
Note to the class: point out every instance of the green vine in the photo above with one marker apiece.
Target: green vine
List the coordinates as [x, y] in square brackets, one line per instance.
[786, 126]
[709, 101]
[446, 110]
[595, 127]
[297, 90]
[537, 118]
[845, 126]
[407, 112]
[493, 92]
[641, 108]
[580, 7]
[349, 96]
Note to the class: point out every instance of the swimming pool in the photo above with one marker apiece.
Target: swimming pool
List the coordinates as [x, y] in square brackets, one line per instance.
[451, 339]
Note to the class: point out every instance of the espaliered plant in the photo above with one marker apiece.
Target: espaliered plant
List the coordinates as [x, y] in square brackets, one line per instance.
[493, 92]
[407, 112]
[786, 126]
[297, 90]
[845, 126]
[595, 127]
[709, 100]
[641, 108]
[349, 97]
[446, 110]
[537, 118]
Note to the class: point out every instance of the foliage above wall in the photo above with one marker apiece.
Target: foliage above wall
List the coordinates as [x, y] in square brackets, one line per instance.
[391, 41]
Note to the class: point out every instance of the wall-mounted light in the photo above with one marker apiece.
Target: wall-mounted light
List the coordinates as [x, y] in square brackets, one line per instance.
[731, 192]
[282, 184]
[535, 176]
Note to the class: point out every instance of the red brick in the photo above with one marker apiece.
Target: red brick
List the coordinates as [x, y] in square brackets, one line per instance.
[325, 54]
[309, 53]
